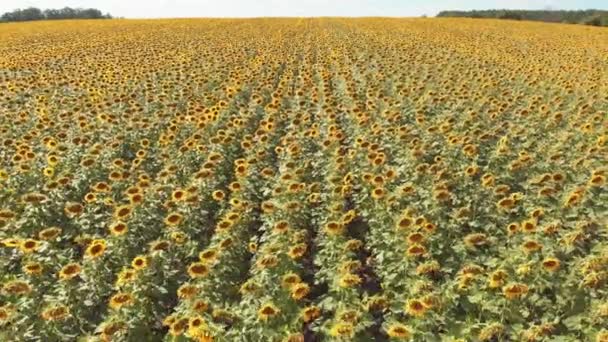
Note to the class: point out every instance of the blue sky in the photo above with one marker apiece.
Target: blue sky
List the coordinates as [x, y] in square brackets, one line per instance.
[256, 8]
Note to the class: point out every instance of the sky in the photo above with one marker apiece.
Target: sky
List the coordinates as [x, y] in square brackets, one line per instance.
[298, 8]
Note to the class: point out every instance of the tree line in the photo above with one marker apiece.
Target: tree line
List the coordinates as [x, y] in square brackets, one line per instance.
[585, 17]
[33, 13]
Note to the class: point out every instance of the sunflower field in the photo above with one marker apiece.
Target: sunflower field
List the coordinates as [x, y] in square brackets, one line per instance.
[298, 180]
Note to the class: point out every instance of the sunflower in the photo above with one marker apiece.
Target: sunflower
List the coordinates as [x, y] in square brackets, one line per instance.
[55, 313]
[17, 287]
[491, 332]
[415, 307]
[531, 246]
[342, 330]
[428, 268]
[139, 262]
[90, 197]
[161, 245]
[200, 306]
[135, 199]
[5, 314]
[416, 250]
[268, 311]
[310, 313]
[96, 248]
[334, 228]
[122, 212]
[32, 268]
[11, 242]
[353, 245]
[378, 193]
[28, 246]
[197, 327]
[267, 261]
[528, 226]
[102, 187]
[111, 328]
[178, 195]
[252, 247]
[415, 238]
[475, 240]
[218, 195]
[290, 279]
[515, 290]
[398, 331]
[69, 271]
[173, 219]
[597, 180]
[280, 227]
[118, 228]
[551, 264]
[208, 256]
[506, 203]
[224, 225]
[299, 291]
[497, 279]
[226, 243]
[249, 287]
[297, 251]
[187, 291]
[125, 276]
[121, 299]
[349, 280]
[404, 222]
[198, 270]
[178, 327]
[73, 209]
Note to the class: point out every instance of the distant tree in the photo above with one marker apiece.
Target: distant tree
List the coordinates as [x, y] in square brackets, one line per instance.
[33, 13]
[586, 17]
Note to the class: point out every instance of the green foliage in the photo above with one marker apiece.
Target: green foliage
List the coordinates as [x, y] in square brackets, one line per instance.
[586, 17]
[33, 13]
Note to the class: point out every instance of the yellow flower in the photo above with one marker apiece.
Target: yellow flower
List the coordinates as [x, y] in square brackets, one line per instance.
[69, 271]
[5, 314]
[139, 262]
[515, 290]
[551, 264]
[173, 219]
[378, 193]
[310, 313]
[118, 228]
[416, 250]
[597, 180]
[218, 195]
[299, 291]
[290, 279]
[120, 300]
[398, 331]
[415, 307]
[334, 228]
[96, 249]
[208, 256]
[349, 280]
[29, 246]
[342, 330]
[32, 268]
[268, 311]
[55, 313]
[198, 270]
[122, 212]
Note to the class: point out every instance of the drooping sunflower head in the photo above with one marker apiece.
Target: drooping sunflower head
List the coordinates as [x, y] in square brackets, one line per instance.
[268, 311]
